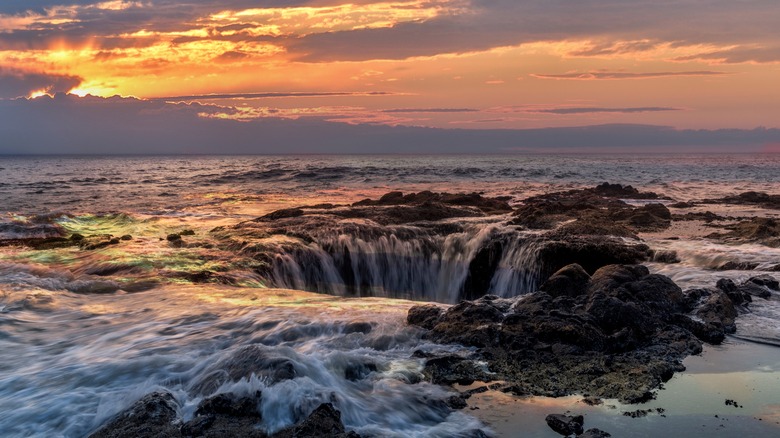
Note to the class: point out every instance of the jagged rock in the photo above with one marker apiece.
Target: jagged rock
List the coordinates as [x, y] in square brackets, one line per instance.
[564, 424]
[154, 415]
[619, 334]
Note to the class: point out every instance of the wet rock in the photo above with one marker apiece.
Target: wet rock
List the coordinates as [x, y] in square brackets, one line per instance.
[737, 296]
[453, 369]
[282, 214]
[564, 424]
[666, 257]
[243, 363]
[591, 253]
[767, 281]
[358, 327]
[594, 433]
[619, 334]
[755, 290]
[761, 199]
[571, 281]
[485, 204]
[737, 266]
[154, 415]
[682, 205]
[761, 230]
[325, 421]
[597, 211]
[226, 415]
[359, 371]
[425, 316]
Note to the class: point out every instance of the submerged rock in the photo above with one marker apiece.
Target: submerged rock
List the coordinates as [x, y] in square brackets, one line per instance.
[245, 362]
[616, 334]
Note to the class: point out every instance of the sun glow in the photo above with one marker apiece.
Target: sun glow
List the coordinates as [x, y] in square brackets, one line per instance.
[38, 93]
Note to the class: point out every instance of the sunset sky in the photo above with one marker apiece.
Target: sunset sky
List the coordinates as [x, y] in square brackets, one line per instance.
[475, 64]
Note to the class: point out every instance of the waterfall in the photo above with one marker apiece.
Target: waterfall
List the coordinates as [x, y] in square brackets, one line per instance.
[411, 262]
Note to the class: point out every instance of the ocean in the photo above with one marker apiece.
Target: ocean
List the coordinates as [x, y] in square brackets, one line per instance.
[84, 333]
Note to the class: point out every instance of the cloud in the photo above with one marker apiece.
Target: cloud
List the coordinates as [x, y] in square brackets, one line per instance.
[66, 124]
[619, 75]
[430, 110]
[270, 95]
[738, 55]
[591, 110]
[19, 83]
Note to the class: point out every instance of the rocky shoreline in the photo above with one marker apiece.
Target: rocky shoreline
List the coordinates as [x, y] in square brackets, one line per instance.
[594, 322]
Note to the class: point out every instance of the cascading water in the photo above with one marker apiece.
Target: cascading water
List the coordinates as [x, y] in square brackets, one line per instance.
[411, 262]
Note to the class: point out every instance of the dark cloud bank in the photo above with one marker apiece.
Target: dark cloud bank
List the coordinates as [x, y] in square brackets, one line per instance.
[72, 125]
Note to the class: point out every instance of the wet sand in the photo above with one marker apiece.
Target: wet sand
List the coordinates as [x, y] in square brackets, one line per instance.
[692, 403]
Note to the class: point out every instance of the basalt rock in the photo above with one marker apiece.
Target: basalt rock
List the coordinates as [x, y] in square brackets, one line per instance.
[226, 415]
[762, 230]
[154, 415]
[596, 211]
[325, 421]
[760, 199]
[564, 424]
[616, 334]
[484, 204]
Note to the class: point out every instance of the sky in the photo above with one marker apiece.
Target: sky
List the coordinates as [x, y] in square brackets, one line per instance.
[694, 73]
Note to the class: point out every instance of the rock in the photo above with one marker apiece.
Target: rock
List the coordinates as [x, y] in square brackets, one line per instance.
[187, 232]
[761, 199]
[325, 421]
[594, 433]
[767, 281]
[226, 415]
[126, 237]
[282, 214]
[666, 257]
[154, 415]
[173, 237]
[737, 266]
[359, 371]
[425, 316]
[564, 424]
[453, 369]
[755, 290]
[682, 205]
[358, 327]
[618, 334]
[571, 281]
[761, 230]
